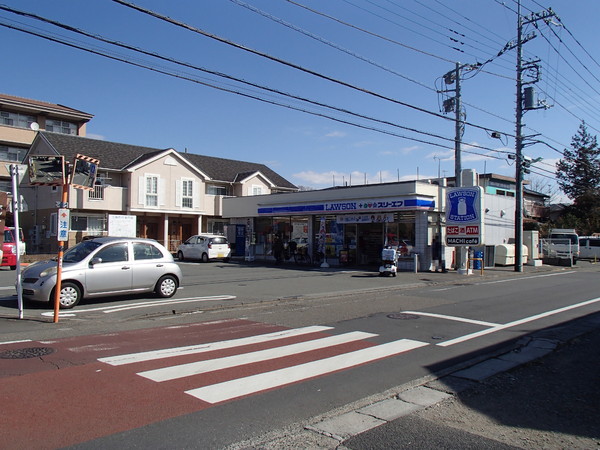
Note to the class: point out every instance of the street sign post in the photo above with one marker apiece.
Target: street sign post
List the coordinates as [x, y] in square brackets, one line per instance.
[51, 170]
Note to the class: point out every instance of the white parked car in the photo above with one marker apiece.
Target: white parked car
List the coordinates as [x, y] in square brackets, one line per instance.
[104, 266]
[205, 247]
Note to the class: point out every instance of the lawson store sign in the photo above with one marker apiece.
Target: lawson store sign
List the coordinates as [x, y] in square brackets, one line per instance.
[350, 206]
[464, 221]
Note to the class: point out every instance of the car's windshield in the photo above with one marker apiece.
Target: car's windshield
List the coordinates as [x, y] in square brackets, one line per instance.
[80, 251]
[8, 236]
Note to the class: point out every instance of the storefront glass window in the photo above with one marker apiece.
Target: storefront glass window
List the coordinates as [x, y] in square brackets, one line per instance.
[329, 236]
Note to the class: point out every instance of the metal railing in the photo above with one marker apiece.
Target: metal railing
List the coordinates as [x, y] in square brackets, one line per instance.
[97, 193]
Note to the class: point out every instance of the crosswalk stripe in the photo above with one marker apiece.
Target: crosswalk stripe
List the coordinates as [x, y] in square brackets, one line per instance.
[248, 385]
[208, 347]
[195, 368]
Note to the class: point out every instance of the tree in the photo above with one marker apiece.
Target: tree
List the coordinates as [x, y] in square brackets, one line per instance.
[578, 173]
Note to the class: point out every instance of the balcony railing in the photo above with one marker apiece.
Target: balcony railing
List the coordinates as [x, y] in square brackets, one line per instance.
[97, 193]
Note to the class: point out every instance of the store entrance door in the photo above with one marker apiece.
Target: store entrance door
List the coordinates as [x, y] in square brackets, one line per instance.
[370, 243]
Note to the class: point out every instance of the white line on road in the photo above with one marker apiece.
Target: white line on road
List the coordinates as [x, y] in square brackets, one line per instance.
[516, 322]
[15, 342]
[458, 319]
[248, 385]
[506, 280]
[201, 348]
[196, 368]
[148, 304]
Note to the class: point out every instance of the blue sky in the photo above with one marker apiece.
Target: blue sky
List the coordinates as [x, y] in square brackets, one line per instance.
[416, 44]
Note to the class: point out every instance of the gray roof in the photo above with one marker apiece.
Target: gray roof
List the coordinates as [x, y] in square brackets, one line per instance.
[116, 156]
[232, 170]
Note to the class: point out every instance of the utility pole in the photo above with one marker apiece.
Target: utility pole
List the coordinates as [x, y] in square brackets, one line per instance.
[454, 104]
[519, 148]
[457, 129]
[524, 105]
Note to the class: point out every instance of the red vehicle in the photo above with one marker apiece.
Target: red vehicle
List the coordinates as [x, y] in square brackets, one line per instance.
[9, 248]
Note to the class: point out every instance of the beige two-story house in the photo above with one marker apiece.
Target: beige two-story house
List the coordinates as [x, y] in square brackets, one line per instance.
[172, 195]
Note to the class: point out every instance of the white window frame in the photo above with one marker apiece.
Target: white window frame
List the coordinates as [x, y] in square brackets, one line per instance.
[185, 193]
[256, 189]
[151, 190]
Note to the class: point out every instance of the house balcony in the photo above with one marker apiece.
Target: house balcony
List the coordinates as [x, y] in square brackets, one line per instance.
[104, 198]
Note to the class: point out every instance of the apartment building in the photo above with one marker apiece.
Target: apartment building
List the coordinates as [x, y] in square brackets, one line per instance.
[21, 118]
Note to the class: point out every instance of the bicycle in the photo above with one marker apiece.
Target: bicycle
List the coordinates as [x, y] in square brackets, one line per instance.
[301, 257]
[318, 258]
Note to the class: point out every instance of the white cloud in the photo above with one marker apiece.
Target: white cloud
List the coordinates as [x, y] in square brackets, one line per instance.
[98, 137]
[336, 134]
[355, 178]
[407, 150]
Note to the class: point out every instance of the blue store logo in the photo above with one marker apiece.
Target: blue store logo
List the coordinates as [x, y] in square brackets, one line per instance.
[462, 206]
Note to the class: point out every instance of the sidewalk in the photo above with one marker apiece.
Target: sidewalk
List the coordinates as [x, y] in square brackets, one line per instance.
[552, 402]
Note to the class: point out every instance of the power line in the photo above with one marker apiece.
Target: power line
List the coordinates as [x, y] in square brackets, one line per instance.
[329, 43]
[286, 63]
[223, 75]
[379, 36]
[180, 76]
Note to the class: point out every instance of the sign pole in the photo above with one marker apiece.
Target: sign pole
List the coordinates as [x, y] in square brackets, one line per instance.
[14, 173]
[61, 248]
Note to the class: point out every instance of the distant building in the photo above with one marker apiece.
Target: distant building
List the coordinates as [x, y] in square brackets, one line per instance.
[20, 118]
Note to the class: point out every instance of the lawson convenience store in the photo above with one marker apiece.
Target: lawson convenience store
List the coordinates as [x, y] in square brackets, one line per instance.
[351, 224]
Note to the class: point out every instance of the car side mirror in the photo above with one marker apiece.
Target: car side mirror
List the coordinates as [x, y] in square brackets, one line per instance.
[95, 261]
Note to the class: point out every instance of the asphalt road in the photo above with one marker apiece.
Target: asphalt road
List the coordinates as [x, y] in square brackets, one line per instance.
[453, 319]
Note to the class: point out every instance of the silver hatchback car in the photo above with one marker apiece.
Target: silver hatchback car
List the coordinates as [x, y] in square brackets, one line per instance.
[104, 266]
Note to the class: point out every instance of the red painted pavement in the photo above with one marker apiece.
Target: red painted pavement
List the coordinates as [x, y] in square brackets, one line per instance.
[68, 397]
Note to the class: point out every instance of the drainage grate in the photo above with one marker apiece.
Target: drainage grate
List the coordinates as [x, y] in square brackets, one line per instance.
[24, 353]
[402, 316]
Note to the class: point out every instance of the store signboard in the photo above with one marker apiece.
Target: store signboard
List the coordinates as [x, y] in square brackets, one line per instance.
[464, 218]
[352, 206]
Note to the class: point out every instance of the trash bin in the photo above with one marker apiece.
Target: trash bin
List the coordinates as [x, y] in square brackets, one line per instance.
[478, 260]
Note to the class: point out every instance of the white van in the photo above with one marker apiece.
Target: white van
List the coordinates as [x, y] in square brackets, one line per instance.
[589, 247]
[564, 243]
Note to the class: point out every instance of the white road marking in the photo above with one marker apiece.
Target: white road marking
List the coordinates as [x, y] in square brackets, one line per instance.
[15, 342]
[507, 280]
[458, 319]
[248, 385]
[195, 368]
[201, 348]
[477, 334]
[148, 304]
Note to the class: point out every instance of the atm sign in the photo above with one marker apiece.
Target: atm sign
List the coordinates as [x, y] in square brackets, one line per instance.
[469, 230]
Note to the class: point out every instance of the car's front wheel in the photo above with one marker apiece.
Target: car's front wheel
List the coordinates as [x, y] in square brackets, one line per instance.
[166, 286]
[70, 295]
[180, 256]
